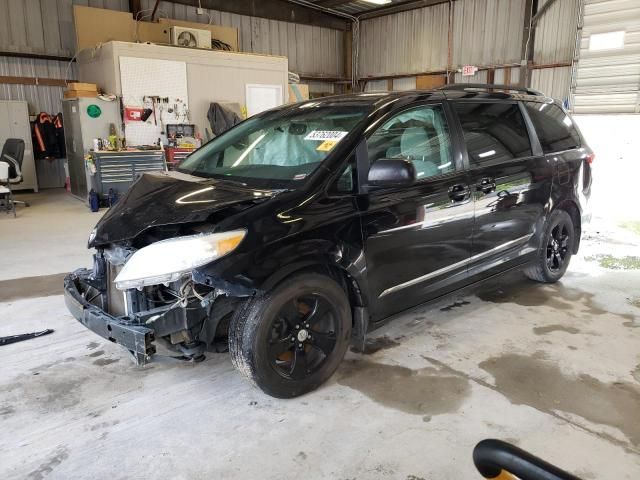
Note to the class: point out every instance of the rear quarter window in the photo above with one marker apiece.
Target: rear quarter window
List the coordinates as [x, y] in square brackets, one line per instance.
[493, 132]
[554, 127]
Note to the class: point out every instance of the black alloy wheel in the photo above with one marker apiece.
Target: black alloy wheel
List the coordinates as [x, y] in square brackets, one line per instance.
[558, 246]
[292, 338]
[303, 336]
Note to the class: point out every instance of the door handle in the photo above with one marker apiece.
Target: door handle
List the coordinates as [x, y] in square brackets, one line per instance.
[486, 185]
[459, 192]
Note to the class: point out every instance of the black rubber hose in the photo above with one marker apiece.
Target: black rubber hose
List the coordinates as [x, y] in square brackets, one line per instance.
[492, 456]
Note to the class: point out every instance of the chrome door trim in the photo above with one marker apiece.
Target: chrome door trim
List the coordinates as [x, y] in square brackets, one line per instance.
[456, 265]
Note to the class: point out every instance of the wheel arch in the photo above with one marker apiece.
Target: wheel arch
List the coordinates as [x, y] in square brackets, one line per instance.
[572, 209]
[336, 272]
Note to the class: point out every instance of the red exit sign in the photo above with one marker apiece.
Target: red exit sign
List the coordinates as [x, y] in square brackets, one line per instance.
[469, 70]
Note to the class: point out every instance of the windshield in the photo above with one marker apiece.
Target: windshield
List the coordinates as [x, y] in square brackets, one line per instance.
[278, 150]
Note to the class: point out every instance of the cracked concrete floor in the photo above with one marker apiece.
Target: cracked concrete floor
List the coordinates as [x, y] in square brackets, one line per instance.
[553, 369]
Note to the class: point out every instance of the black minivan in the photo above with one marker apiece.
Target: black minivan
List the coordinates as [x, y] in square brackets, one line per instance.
[301, 229]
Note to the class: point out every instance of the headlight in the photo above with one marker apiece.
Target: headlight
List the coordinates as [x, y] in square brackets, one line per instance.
[92, 237]
[167, 260]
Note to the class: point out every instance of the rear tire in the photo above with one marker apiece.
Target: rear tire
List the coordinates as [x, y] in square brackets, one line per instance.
[292, 339]
[556, 248]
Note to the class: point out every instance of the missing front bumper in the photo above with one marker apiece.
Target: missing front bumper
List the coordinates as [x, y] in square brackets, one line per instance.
[137, 339]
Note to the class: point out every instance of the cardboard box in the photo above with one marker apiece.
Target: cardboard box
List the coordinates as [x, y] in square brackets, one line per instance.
[97, 25]
[80, 93]
[86, 87]
[298, 92]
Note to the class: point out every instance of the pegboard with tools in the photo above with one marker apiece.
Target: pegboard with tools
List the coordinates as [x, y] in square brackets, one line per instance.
[154, 94]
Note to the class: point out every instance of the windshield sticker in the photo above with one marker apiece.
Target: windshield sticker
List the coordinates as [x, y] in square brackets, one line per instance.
[300, 176]
[323, 135]
[326, 146]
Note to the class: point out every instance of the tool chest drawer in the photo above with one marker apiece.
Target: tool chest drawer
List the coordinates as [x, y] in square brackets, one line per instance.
[119, 170]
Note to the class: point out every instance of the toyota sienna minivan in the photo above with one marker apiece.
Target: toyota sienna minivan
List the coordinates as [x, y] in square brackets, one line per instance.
[296, 232]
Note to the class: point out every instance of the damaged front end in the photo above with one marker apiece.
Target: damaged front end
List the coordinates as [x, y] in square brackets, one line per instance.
[187, 313]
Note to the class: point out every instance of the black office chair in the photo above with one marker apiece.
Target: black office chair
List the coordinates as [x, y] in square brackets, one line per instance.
[12, 156]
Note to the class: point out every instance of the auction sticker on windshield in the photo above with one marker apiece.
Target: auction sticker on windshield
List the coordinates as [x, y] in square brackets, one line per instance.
[334, 135]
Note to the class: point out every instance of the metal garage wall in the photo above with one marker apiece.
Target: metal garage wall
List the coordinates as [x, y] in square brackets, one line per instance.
[409, 42]
[479, 77]
[555, 36]
[314, 51]
[485, 33]
[46, 27]
[554, 82]
[40, 98]
[40, 27]
[555, 41]
[608, 81]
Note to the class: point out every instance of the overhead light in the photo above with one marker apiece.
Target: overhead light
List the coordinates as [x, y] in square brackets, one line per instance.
[378, 2]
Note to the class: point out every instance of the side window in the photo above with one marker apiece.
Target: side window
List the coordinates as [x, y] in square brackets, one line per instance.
[555, 128]
[420, 135]
[493, 132]
[346, 182]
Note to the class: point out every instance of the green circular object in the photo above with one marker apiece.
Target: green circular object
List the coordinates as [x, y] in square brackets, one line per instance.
[94, 111]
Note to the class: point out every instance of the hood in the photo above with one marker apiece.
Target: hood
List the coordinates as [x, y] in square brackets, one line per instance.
[171, 198]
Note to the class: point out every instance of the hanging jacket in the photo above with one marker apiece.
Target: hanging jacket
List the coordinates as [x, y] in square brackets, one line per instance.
[221, 118]
[45, 137]
[57, 122]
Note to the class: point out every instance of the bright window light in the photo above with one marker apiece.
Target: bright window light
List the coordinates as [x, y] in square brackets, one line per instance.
[248, 150]
[606, 41]
[487, 154]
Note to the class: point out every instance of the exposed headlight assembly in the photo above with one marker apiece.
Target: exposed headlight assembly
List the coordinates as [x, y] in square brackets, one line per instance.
[168, 260]
[92, 237]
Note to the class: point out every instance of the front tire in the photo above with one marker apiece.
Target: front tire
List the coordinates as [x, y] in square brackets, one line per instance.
[292, 339]
[556, 248]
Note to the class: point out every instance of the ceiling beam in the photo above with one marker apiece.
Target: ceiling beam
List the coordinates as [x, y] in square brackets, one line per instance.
[398, 7]
[274, 10]
[542, 11]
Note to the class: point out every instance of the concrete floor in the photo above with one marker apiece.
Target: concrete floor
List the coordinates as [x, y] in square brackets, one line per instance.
[553, 369]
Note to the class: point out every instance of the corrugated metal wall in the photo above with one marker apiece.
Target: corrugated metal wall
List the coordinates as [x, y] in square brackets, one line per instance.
[555, 36]
[485, 32]
[555, 40]
[46, 27]
[40, 98]
[608, 81]
[315, 51]
[554, 82]
[407, 42]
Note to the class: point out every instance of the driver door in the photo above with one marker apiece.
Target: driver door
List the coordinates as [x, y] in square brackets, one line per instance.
[417, 239]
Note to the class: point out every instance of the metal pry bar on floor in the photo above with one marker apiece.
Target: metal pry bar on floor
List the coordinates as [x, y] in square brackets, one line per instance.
[23, 336]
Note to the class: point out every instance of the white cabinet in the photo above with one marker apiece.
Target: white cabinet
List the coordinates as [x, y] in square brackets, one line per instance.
[14, 123]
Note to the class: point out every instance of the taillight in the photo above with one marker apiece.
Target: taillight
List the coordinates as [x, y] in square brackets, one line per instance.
[590, 158]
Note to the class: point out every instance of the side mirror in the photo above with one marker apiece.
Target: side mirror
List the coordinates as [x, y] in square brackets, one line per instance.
[391, 172]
